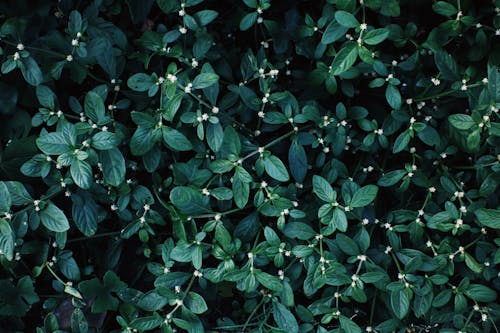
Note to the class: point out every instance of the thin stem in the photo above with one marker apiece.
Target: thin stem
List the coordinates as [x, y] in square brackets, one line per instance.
[273, 142]
[37, 49]
[445, 93]
[105, 234]
[253, 313]
[54, 273]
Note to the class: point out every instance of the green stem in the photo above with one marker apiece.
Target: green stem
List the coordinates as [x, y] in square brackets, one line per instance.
[445, 93]
[37, 49]
[54, 273]
[105, 234]
[273, 142]
[253, 313]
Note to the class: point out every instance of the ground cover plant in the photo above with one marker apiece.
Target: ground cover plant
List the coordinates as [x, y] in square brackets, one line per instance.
[249, 166]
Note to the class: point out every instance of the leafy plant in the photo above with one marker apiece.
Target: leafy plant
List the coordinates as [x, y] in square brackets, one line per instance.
[249, 166]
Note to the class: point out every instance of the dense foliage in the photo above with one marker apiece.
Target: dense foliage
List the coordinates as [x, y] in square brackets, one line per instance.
[249, 166]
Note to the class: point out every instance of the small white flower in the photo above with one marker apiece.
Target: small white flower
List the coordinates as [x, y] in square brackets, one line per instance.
[365, 221]
[205, 191]
[485, 80]
[178, 302]
[205, 116]
[326, 150]
[194, 63]
[484, 317]
[182, 30]
[263, 184]
[104, 128]
[20, 46]
[274, 72]
[463, 87]
[363, 26]
[172, 78]
[264, 100]
[188, 87]
[409, 101]
[361, 257]
[354, 278]
[69, 58]
[261, 114]
[260, 20]
[114, 207]
[394, 63]
[182, 12]
[388, 249]
[429, 243]
[259, 10]
[74, 42]
[497, 32]
[215, 110]
[142, 219]
[16, 56]
[250, 255]
[390, 76]
[436, 81]
[380, 131]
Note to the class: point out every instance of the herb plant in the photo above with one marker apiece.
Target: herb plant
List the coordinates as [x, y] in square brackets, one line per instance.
[249, 166]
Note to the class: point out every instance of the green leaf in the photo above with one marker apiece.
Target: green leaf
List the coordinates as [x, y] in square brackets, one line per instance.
[205, 80]
[172, 106]
[94, 106]
[105, 140]
[391, 178]
[46, 97]
[297, 160]
[299, 230]
[447, 66]
[461, 121]
[488, 217]
[269, 281]
[31, 71]
[53, 143]
[81, 172]
[346, 19]
[347, 245]
[205, 17]
[348, 325]
[323, 189]
[494, 83]
[393, 97]
[345, 58]
[189, 200]
[53, 218]
[5, 199]
[141, 141]
[364, 196]
[284, 318]
[334, 31]
[140, 82]
[376, 36]
[215, 135]
[444, 8]
[276, 169]
[248, 21]
[400, 302]
[175, 139]
[195, 303]
[85, 213]
[401, 142]
[113, 166]
[480, 293]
